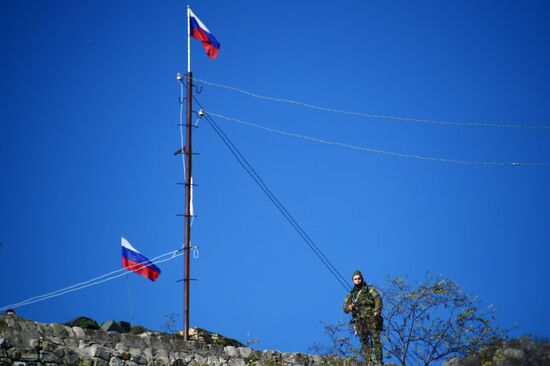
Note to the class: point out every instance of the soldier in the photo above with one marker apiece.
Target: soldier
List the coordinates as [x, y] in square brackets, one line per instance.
[365, 305]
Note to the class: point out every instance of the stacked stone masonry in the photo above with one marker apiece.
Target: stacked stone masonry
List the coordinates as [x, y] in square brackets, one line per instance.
[27, 343]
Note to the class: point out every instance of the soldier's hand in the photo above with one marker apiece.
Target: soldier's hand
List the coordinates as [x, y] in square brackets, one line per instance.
[350, 307]
[376, 314]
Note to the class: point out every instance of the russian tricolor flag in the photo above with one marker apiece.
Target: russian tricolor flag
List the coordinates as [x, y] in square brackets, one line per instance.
[198, 30]
[134, 261]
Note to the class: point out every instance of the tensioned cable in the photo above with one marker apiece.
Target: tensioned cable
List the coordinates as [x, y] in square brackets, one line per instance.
[94, 281]
[371, 115]
[379, 151]
[96, 278]
[287, 215]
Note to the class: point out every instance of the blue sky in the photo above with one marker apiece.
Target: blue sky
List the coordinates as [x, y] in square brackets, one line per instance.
[89, 112]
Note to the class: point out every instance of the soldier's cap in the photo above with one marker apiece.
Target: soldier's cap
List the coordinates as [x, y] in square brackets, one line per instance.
[357, 273]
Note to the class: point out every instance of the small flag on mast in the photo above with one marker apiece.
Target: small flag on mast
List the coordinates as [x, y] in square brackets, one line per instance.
[198, 30]
[134, 261]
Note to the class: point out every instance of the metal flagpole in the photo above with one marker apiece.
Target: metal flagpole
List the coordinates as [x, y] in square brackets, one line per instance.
[130, 306]
[188, 39]
[187, 218]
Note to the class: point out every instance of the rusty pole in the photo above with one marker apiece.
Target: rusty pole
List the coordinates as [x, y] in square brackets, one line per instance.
[187, 217]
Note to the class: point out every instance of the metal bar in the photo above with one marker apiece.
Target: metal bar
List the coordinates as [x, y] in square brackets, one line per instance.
[187, 221]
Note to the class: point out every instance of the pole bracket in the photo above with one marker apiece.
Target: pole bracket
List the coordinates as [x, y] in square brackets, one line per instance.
[182, 151]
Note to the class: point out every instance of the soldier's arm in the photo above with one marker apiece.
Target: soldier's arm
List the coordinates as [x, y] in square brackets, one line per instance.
[347, 302]
[377, 300]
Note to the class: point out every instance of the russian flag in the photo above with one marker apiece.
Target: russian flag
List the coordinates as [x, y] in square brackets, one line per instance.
[198, 30]
[134, 261]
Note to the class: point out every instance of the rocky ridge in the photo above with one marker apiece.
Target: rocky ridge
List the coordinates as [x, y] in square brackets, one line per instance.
[27, 343]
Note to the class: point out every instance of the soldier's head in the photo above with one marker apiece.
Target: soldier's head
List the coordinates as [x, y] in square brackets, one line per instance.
[357, 278]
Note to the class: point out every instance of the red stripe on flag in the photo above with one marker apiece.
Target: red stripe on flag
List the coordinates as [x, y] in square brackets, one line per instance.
[140, 269]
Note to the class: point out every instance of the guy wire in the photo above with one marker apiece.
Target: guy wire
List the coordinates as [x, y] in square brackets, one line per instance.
[371, 115]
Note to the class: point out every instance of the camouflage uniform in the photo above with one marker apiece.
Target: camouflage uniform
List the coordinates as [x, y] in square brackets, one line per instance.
[366, 301]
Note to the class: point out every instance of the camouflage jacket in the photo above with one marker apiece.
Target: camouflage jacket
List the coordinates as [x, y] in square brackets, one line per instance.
[366, 301]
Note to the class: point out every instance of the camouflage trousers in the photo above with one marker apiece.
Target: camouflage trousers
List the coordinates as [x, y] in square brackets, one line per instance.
[367, 330]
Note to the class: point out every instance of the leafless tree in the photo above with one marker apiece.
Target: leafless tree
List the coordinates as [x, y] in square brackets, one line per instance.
[424, 322]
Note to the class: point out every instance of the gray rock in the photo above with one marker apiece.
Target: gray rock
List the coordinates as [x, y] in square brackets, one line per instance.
[71, 342]
[148, 353]
[257, 354]
[316, 359]
[236, 362]
[28, 327]
[140, 360]
[47, 346]
[60, 352]
[294, 358]
[57, 340]
[230, 351]
[111, 326]
[161, 353]
[70, 332]
[190, 345]
[188, 358]
[161, 362]
[101, 352]
[34, 343]
[100, 362]
[513, 353]
[71, 357]
[135, 352]
[200, 359]
[4, 361]
[29, 356]
[271, 355]
[59, 330]
[245, 351]
[214, 360]
[12, 323]
[145, 336]
[132, 341]
[175, 356]
[216, 348]
[125, 355]
[115, 361]
[121, 346]
[79, 333]
[46, 356]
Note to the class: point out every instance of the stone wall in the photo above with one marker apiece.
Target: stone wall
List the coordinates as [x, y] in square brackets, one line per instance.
[27, 343]
[513, 352]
